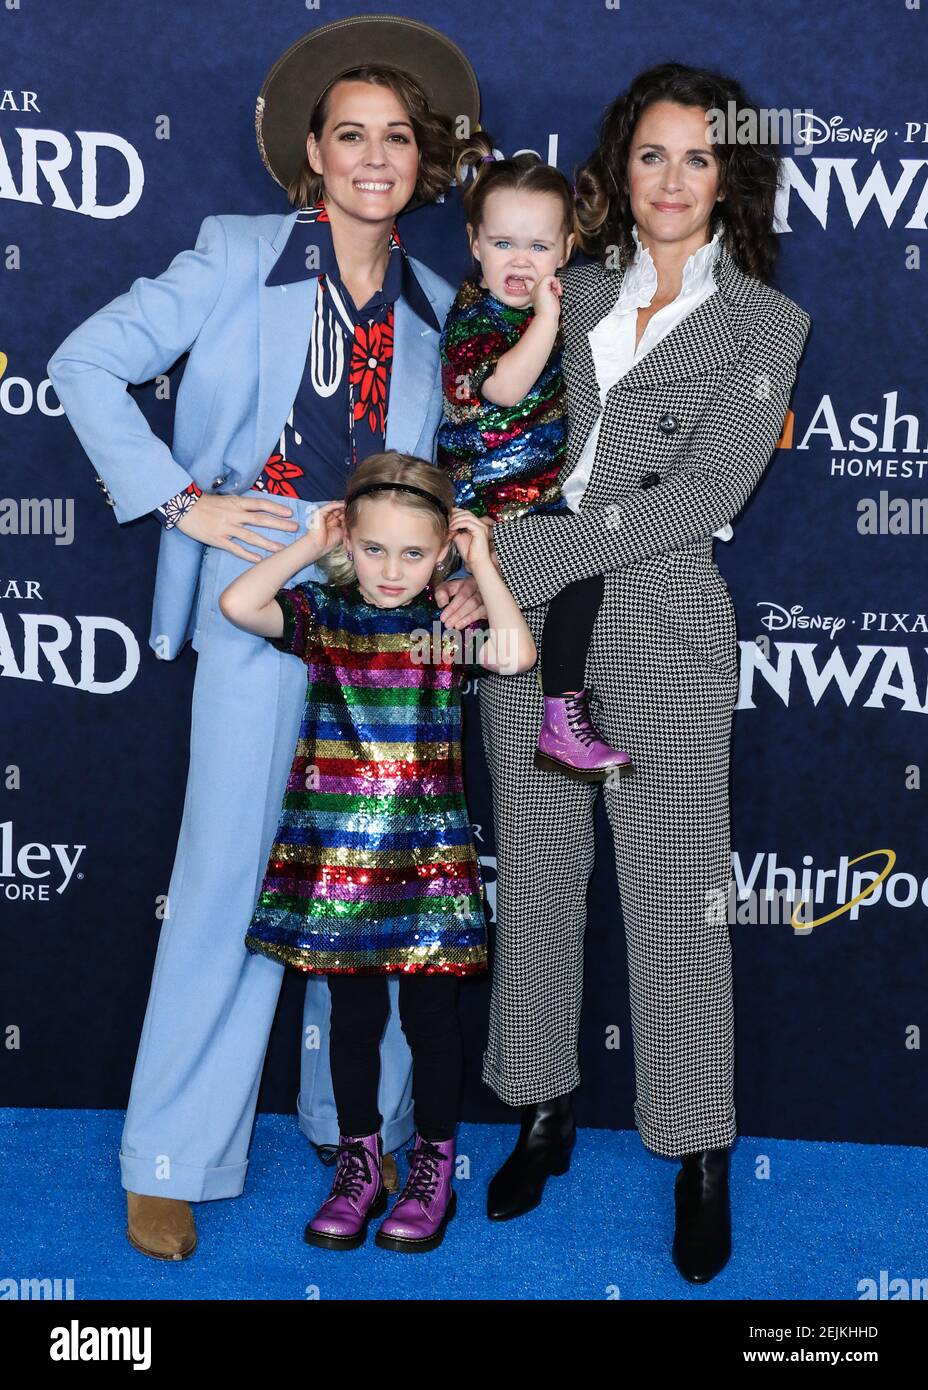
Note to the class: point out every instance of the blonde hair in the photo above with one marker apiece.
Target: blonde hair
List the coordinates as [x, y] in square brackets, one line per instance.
[394, 467]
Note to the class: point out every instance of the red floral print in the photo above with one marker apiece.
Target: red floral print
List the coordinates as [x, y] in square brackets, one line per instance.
[276, 476]
[371, 350]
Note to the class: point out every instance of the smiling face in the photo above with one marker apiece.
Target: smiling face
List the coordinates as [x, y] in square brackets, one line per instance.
[395, 548]
[521, 239]
[673, 176]
[367, 153]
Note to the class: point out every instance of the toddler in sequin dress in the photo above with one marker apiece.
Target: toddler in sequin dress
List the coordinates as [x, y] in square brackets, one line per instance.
[373, 868]
[504, 433]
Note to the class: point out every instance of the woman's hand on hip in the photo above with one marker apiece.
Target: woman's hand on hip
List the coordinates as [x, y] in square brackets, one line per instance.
[460, 602]
[221, 520]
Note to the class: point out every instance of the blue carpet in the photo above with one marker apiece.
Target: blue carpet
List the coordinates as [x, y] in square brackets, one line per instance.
[828, 1216]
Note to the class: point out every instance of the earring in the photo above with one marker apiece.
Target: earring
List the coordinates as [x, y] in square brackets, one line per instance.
[348, 553]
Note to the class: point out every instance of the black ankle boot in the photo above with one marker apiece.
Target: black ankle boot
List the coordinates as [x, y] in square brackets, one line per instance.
[702, 1239]
[543, 1149]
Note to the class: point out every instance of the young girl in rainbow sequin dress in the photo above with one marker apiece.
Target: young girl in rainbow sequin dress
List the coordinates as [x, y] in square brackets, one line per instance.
[503, 439]
[374, 868]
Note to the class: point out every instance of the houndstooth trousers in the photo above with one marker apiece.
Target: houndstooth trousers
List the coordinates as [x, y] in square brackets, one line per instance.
[701, 414]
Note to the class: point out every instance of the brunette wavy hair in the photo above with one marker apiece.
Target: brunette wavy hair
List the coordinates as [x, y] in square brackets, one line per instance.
[434, 132]
[527, 173]
[391, 466]
[749, 176]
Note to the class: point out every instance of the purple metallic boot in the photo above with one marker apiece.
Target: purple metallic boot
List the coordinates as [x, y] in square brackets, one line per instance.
[357, 1195]
[569, 743]
[427, 1202]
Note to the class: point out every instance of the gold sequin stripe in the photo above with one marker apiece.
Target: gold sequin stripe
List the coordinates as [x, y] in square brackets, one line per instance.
[346, 640]
[373, 858]
[385, 752]
[398, 958]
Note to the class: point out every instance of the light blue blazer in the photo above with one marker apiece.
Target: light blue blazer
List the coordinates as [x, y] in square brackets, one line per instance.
[247, 348]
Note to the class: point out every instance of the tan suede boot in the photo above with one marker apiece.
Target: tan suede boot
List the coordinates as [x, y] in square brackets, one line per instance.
[161, 1226]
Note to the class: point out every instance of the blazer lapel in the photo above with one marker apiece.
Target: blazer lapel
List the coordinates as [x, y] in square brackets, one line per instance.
[579, 370]
[412, 378]
[285, 315]
[703, 341]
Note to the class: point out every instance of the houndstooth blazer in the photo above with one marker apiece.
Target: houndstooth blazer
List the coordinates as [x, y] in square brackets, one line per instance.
[686, 435]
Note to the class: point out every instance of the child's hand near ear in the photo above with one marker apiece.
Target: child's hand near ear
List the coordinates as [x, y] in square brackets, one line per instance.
[327, 526]
[472, 536]
[249, 602]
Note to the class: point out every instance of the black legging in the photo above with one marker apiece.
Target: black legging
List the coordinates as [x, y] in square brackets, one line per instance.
[565, 638]
[429, 1016]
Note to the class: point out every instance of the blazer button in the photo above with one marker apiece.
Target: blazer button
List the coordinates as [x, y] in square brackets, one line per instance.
[668, 424]
[650, 480]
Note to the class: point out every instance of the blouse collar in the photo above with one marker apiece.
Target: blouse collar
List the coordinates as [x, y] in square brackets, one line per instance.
[640, 280]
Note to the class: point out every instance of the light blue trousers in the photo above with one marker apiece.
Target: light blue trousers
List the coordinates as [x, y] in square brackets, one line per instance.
[195, 1086]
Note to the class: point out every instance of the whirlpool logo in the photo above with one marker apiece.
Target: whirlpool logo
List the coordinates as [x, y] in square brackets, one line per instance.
[767, 891]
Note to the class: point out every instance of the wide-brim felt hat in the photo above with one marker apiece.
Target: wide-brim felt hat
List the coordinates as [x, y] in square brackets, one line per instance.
[301, 74]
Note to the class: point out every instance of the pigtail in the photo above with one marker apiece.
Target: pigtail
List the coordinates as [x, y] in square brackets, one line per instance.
[475, 152]
[595, 196]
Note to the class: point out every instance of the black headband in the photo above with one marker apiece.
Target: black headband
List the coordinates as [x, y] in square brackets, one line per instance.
[403, 487]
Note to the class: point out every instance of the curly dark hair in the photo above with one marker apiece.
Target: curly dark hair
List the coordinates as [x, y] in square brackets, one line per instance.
[526, 172]
[434, 132]
[750, 173]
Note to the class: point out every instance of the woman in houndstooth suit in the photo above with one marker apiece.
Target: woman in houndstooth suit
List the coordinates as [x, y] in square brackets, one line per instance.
[684, 435]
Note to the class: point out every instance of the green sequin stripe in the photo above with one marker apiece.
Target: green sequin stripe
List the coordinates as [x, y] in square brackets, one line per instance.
[287, 606]
[463, 324]
[364, 695]
[335, 910]
[495, 416]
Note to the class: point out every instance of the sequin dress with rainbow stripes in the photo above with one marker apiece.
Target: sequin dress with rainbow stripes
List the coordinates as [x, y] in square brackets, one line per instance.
[504, 460]
[373, 867]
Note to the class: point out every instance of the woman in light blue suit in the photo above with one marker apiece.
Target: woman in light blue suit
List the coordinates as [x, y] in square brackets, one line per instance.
[191, 1110]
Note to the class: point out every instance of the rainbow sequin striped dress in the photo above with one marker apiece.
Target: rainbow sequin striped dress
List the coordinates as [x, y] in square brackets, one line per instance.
[373, 867]
[504, 460]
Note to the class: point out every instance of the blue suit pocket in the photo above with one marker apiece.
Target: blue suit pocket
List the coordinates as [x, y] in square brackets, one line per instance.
[206, 597]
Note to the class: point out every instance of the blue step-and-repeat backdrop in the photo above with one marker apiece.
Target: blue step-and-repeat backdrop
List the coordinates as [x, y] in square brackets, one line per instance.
[121, 127]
